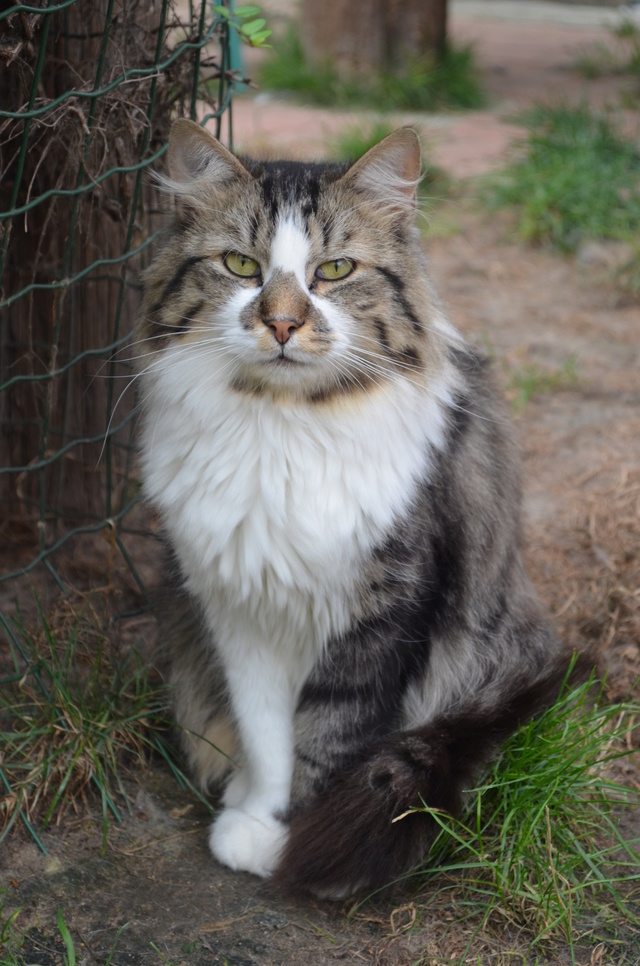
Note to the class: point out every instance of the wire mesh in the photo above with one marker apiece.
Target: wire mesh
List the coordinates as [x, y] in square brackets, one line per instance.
[88, 95]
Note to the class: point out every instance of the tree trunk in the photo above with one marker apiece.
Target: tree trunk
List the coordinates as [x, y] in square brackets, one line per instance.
[47, 329]
[373, 36]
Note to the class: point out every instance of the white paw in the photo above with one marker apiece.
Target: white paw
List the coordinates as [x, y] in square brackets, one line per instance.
[247, 842]
[237, 789]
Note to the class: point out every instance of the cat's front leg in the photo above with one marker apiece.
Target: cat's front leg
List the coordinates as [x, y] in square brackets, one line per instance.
[250, 832]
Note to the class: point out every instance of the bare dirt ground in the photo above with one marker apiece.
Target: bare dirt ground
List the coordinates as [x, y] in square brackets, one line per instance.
[580, 438]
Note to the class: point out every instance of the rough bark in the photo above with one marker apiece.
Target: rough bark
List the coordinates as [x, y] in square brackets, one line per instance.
[73, 143]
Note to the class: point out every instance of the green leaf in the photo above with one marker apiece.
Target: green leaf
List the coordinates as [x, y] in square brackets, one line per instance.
[245, 11]
[253, 26]
[257, 40]
[222, 11]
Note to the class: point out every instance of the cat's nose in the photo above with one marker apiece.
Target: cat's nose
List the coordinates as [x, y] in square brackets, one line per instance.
[282, 328]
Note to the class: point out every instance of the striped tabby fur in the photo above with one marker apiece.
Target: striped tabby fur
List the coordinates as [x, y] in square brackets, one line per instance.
[347, 626]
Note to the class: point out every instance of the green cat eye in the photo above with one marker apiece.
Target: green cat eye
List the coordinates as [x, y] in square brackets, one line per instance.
[338, 268]
[241, 265]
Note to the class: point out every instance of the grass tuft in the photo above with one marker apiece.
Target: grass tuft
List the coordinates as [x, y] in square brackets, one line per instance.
[577, 178]
[531, 380]
[18, 948]
[74, 716]
[11, 938]
[619, 58]
[542, 847]
[427, 85]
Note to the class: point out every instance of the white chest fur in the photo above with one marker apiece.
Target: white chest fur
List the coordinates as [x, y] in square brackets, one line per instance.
[272, 507]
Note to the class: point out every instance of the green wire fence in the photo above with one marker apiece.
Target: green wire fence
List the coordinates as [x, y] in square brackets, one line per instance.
[88, 92]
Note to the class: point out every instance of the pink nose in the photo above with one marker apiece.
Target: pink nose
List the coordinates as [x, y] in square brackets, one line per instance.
[282, 329]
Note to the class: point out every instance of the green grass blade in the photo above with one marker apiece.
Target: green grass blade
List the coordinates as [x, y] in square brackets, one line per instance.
[70, 957]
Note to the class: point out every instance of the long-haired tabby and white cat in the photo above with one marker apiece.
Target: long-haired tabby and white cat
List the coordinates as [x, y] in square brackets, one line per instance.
[348, 628]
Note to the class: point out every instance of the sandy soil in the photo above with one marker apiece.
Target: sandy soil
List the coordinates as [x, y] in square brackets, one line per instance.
[157, 882]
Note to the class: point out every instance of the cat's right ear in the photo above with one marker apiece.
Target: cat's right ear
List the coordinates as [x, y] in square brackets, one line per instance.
[196, 157]
[390, 171]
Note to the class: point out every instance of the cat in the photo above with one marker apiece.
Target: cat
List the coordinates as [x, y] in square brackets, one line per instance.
[347, 626]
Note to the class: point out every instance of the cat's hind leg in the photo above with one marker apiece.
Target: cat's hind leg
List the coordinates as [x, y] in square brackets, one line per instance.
[212, 749]
[195, 679]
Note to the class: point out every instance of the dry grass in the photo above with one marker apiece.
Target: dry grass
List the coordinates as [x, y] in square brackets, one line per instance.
[593, 578]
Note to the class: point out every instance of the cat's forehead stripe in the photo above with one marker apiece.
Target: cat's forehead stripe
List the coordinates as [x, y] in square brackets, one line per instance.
[289, 249]
[294, 182]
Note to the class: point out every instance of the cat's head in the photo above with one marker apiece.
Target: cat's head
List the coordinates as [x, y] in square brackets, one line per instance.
[292, 279]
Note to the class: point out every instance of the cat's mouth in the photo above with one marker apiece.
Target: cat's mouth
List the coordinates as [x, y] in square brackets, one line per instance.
[285, 360]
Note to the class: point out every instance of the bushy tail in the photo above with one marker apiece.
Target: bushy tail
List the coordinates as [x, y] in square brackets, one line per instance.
[352, 837]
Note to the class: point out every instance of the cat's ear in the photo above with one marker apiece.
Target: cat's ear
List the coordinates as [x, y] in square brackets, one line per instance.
[194, 154]
[390, 169]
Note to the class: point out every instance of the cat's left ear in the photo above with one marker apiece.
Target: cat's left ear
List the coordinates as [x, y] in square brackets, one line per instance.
[390, 170]
[195, 156]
